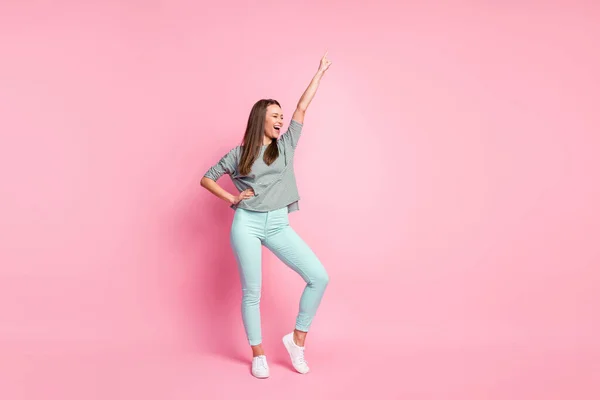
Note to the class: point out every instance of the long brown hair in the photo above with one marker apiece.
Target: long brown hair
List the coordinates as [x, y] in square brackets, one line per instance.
[253, 138]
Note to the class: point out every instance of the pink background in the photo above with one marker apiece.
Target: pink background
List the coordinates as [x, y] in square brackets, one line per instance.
[448, 176]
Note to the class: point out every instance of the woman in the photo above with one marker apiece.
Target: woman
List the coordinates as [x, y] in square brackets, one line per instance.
[261, 168]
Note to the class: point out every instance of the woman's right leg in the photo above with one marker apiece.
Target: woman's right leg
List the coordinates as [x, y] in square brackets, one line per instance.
[247, 246]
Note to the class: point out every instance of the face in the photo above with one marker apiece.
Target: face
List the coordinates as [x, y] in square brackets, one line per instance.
[273, 121]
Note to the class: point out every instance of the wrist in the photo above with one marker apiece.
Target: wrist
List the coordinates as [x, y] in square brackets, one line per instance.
[230, 198]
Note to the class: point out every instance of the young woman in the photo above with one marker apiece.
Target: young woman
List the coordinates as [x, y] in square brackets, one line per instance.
[261, 168]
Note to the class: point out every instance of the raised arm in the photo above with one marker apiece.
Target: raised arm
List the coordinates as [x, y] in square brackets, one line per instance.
[311, 90]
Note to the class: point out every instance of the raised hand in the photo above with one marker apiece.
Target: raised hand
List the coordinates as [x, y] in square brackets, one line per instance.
[325, 63]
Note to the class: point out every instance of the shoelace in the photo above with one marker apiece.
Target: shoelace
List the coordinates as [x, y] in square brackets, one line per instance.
[300, 358]
[261, 362]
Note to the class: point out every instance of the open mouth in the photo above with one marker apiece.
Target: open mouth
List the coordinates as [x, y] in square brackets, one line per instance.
[277, 128]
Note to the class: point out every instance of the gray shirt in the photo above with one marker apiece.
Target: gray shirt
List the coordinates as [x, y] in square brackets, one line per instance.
[274, 185]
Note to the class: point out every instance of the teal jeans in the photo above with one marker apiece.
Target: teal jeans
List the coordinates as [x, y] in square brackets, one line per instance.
[250, 230]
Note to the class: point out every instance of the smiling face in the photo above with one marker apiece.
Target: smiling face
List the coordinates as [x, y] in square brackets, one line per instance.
[273, 123]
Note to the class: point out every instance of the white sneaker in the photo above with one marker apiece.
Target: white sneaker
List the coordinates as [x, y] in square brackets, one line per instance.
[260, 368]
[296, 353]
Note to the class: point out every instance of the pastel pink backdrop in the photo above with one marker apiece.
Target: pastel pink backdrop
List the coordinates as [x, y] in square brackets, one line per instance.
[448, 176]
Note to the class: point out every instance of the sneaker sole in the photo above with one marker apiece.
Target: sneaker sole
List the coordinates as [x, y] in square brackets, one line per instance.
[287, 347]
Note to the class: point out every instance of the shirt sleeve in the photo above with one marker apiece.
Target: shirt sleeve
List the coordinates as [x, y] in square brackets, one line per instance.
[226, 165]
[292, 135]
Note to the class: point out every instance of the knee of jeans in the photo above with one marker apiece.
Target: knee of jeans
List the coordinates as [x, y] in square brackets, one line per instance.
[251, 296]
[321, 279]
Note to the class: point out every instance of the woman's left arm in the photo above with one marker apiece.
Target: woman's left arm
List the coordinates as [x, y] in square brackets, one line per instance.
[311, 90]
